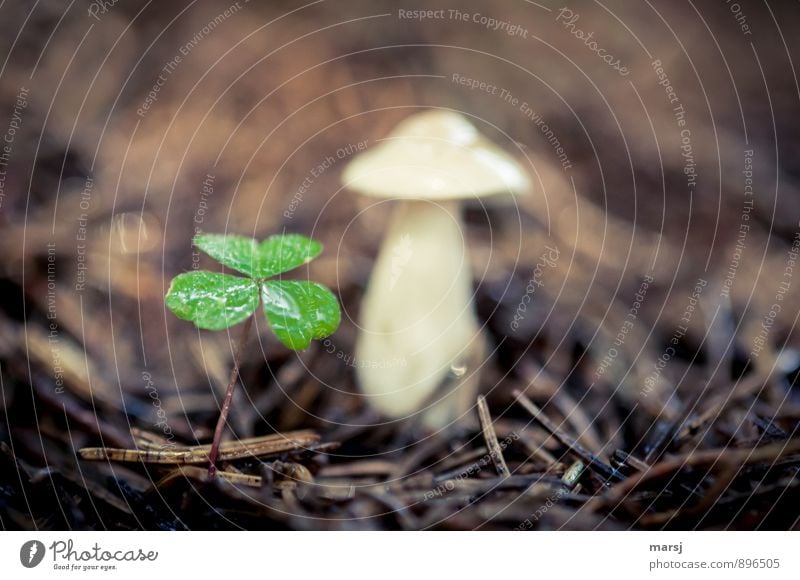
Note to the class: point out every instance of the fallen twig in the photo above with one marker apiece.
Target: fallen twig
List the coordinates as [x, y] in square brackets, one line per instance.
[591, 459]
[495, 451]
[199, 454]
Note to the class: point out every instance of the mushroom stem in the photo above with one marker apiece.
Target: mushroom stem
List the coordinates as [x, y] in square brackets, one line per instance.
[419, 330]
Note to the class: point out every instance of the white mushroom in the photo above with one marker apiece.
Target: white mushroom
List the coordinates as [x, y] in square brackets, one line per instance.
[418, 330]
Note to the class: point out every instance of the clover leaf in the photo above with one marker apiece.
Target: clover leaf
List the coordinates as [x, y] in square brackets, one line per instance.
[300, 312]
[212, 301]
[297, 311]
[275, 255]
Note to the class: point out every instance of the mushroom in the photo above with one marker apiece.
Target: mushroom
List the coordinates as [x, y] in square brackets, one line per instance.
[419, 332]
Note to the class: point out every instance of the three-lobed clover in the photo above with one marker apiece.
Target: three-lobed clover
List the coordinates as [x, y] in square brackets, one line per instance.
[297, 311]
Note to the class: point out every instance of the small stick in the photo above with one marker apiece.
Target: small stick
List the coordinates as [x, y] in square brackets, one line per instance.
[466, 464]
[147, 440]
[547, 386]
[87, 419]
[664, 434]
[538, 451]
[717, 405]
[706, 502]
[768, 453]
[270, 445]
[592, 460]
[480, 486]
[357, 468]
[250, 442]
[631, 460]
[226, 405]
[495, 451]
[192, 472]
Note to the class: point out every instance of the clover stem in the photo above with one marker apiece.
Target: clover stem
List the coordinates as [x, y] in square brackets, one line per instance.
[226, 404]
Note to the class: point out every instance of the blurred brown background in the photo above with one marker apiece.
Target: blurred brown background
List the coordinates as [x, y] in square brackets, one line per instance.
[133, 108]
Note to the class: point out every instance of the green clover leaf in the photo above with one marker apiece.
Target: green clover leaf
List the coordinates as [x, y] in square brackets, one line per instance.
[275, 255]
[297, 311]
[211, 300]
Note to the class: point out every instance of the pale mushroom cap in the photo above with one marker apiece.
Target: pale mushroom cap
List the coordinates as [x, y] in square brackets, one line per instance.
[435, 155]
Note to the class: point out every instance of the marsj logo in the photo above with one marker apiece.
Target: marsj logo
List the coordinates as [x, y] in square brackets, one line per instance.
[31, 553]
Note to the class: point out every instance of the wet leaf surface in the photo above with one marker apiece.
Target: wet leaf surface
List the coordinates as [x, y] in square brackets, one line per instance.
[300, 312]
[211, 300]
[274, 255]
